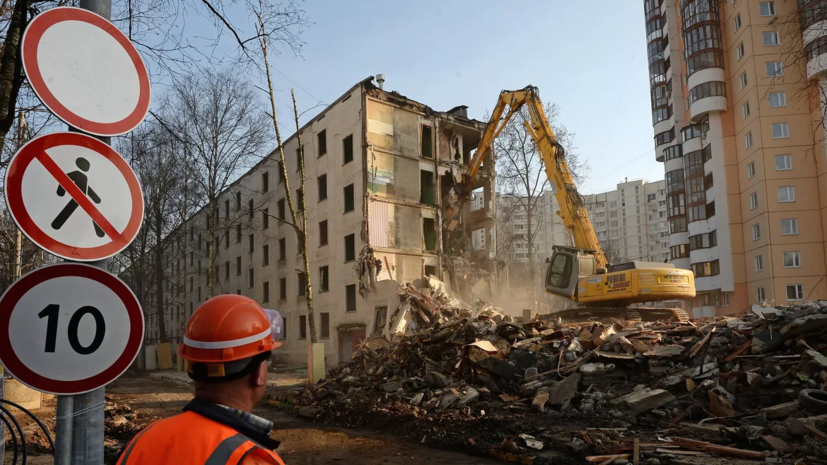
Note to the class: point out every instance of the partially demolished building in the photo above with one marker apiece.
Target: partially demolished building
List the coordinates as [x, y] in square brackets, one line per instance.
[379, 170]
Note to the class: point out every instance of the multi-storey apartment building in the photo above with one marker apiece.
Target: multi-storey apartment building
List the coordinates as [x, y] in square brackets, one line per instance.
[546, 230]
[379, 171]
[630, 221]
[739, 127]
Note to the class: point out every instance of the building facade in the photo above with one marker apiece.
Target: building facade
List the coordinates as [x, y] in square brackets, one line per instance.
[738, 124]
[513, 231]
[630, 221]
[380, 170]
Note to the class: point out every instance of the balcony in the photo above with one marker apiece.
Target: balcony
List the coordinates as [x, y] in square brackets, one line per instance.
[816, 52]
[705, 98]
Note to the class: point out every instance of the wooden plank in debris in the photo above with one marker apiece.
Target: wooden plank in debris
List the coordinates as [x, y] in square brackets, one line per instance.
[697, 347]
[811, 428]
[719, 450]
[603, 458]
[740, 350]
[777, 444]
[636, 452]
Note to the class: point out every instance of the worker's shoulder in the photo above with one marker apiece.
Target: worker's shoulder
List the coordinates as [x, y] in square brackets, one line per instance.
[188, 424]
[260, 457]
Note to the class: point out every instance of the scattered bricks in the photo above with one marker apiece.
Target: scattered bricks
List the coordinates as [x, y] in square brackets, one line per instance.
[780, 410]
[644, 400]
[540, 399]
[437, 379]
[561, 393]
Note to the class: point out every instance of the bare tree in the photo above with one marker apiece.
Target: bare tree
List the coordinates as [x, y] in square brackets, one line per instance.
[521, 175]
[267, 22]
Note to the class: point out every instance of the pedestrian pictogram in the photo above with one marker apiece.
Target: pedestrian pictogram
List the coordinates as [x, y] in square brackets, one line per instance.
[86, 71]
[74, 196]
[69, 328]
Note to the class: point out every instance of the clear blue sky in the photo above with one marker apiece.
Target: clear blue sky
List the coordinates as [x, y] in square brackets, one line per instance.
[588, 56]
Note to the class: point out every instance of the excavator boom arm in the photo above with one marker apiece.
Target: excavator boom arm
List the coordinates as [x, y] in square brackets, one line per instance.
[572, 207]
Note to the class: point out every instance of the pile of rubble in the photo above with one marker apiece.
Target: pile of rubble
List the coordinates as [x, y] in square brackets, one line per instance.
[121, 424]
[453, 375]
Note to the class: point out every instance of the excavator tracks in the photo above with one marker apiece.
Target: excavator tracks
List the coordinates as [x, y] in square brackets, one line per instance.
[606, 314]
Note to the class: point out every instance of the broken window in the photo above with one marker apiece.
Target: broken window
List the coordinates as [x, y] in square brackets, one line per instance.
[350, 248]
[251, 278]
[238, 233]
[265, 182]
[227, 209]
[322, 233]
[380, 319]
[303, 327]
[348, 198]
[237, 202]
[299, 199]
[282, 249]
[299, 158]
[281, 172]
[322, 139]
[227, 270]
[347, 149]
[324, 276]
[238, 266]
[265, 218]
[426, 143]
[426, 187]
[430, 270]
[284, 328]
[265, 292]
[350, 298]
[250, 208]
[265, 255]
[251, 240]
[322, 183]
[325, 324]
[429, 233]
[281, 208]
[282, 288]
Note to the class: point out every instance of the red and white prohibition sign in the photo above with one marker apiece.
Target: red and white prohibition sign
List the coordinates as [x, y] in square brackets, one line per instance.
[86, 71]
[74, 196]
[69, 328]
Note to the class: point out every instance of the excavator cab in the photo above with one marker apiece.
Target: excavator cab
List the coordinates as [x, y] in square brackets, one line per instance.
[565, 268]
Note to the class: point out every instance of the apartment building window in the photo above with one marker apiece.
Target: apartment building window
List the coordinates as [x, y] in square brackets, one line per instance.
[302, 284]
[778, 99]
[227, 270]
[743, 80]
[282, 249]
[321, 181]
[759, 263]
[265, 292]
[737, 22]
[198, 245]
[265, 218]
[707, 89]
[347, 149]
[322, 233]
[705, 269]
[426, 142]
[792, 259]
[324, 278]
[740, 51]
[761, 295]
[774, 68]
[284, 328]
[767, 8]
[238, 266]
[299, 158]
[751, 170]
[679, 251]
[748, 140]
[251, 278]
[350, 248]
[786, 194]
[282, 288]
[227, 239]
[725, 295]
[321, 138]
[703, 241]
[281, 207]
[299, 199]
[745, 110]
[756, 232]
[250, 209]
[753, 201]
[237, 201]
[795, 292]
[302, 326]
[613, 224]
[348, 198]
[789, 227]
[280, 167]
[265, 182]
[780, 131]
[265, 254]
[325, 324]
[770, 38]
[227, 210]
[199, 293]
[350, 298]
[783, 162]
[251, 243]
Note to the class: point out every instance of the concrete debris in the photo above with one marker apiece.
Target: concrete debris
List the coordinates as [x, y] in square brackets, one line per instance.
[722, 386]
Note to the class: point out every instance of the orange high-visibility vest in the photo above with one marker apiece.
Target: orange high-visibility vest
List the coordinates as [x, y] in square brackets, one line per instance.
[191, 439]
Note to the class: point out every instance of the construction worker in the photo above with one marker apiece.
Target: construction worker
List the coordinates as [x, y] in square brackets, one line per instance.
[226, 347]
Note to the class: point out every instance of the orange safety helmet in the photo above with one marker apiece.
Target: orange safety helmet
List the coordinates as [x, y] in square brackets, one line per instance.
[225, 336]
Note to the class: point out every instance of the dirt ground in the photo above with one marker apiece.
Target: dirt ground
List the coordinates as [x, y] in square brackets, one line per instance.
[302, 443]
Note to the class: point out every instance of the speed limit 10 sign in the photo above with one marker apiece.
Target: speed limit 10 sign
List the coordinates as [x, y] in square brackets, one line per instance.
[69, 328]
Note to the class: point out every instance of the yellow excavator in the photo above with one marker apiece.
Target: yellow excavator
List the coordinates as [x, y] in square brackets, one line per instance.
[582, 273]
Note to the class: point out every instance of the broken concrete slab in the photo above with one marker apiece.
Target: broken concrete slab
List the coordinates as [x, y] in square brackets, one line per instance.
[807, 324]
[665, 351]
[765, 341]
[644, 400]
[561, 393]
[500, 368]
[447, 400]
[471, 395]
[818, 357]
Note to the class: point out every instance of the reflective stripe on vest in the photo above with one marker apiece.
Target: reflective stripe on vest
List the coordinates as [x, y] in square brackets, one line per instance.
[221, 455]
[132, 443]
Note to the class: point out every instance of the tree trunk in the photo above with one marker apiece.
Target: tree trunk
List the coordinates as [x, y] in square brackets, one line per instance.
[11, 68]
[301, 232]
[159, 274]
[212, 228]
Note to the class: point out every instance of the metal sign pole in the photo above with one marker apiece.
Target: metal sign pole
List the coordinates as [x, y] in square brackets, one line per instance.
[86, 425]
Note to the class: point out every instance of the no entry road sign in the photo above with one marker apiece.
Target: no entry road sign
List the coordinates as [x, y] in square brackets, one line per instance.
[69, 328]
[86, 71]
[74, 196]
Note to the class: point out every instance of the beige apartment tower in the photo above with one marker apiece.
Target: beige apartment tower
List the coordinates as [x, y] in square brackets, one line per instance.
[738, 124]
